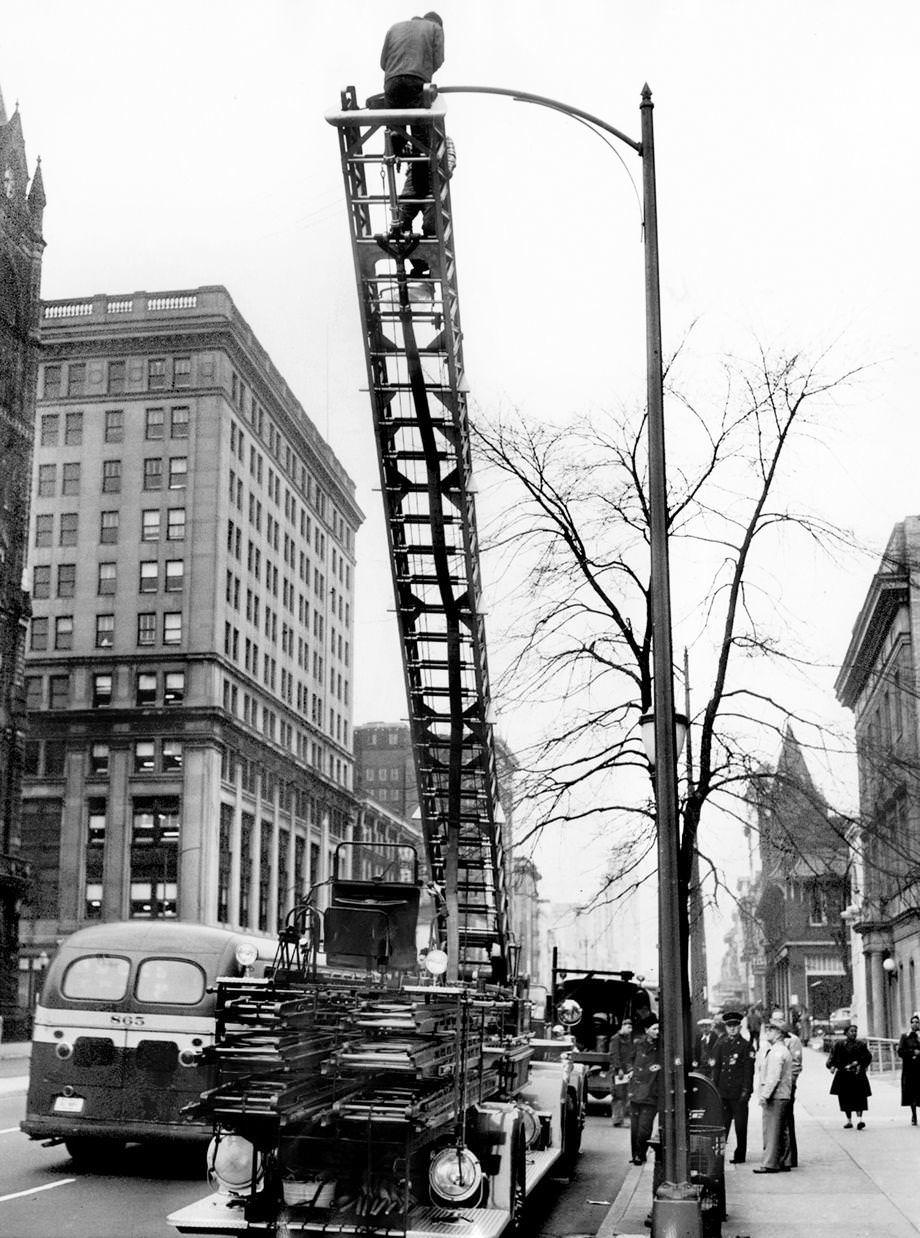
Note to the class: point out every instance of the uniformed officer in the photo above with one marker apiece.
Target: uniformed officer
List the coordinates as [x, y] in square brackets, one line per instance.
[733, 1076]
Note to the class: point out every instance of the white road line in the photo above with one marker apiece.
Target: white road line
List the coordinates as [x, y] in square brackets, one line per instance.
[9, 1130]
[35, 1189]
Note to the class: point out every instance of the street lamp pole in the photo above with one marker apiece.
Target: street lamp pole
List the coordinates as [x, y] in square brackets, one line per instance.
[676, 1210]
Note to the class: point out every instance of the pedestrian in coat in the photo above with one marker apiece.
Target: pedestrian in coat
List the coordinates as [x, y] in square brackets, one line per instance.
[790, 1143]
[754, 1020]
[704, 1047]
[774, 1088]
[849, 1060]
[733, 1076]
[644, 1092]
[909, 1053]
[622, 1054]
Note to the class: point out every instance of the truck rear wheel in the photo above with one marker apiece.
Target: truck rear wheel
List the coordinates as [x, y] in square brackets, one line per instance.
[92, 1151]
[571, 1135]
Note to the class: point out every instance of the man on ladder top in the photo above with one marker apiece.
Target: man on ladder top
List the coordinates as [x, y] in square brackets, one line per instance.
[413, 51]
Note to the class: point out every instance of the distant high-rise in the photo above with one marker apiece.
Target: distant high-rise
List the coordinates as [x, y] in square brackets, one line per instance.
[21, 247]
[190, 663]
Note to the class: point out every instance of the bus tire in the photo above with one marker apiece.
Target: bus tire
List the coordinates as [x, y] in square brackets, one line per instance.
[89, 1151]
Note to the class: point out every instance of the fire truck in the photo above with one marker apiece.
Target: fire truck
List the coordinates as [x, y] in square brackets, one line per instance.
[383, 1077]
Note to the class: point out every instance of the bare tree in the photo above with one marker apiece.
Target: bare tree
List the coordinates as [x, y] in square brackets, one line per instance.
[583, 645]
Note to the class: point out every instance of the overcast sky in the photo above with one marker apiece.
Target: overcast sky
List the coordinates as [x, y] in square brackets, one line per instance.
[184, 144]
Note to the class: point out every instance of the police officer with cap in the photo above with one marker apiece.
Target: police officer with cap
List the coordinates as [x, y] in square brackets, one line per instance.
[733, 1076]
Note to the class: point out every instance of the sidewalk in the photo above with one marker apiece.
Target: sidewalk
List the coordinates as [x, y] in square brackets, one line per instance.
[849, 1184]
[14, 1066]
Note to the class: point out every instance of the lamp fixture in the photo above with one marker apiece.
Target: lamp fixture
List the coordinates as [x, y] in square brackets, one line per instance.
[647, 727]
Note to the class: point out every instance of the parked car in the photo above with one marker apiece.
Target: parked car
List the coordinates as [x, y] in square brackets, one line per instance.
[840, 1020]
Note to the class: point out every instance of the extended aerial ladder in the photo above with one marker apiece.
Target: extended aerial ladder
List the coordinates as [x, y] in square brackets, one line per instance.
[414, 351]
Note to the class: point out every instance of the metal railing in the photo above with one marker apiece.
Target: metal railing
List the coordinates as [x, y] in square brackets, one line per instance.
[884, 1054]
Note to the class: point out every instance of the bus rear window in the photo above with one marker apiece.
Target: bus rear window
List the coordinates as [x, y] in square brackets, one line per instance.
[170, 981]
[96, 978]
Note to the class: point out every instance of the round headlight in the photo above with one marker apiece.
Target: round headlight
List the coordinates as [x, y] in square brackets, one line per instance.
[436, 962]
[246, 954]
[233, 1164]
[569, 1012]
[455, 1177]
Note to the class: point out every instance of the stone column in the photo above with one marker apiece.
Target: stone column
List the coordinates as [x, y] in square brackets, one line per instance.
[876, 974]
[116, 879]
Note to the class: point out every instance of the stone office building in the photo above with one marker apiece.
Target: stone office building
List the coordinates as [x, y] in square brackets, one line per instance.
[21, 247]
[190, 663]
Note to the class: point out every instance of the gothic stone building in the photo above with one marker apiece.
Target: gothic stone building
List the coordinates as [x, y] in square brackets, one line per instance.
[21, 246]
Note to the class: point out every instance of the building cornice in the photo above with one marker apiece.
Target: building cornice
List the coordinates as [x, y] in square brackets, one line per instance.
[889, 591]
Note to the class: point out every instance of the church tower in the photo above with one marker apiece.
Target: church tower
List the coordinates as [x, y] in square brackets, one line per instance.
[21, 246]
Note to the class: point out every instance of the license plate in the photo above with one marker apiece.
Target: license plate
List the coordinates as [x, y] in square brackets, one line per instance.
[68, 1104]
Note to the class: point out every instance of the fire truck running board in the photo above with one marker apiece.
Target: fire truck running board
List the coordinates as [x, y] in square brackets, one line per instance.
[217, 1215]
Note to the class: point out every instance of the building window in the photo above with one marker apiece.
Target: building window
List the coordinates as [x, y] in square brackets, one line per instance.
[148, 580]
[146, 689]
[44, 529]
[171, 756]
[52, 387]
[47, 480]
[51, 428]
[73, 429]
[174, 688]
[108, 528]
[817, 911]
[34, 692]
[39, 633]
[55, 753]
[154, 858]
[58, 691]
[102, 688]
[107, 579]
[145, 756]
[105, 631]
[175, 575]
[111, 477]
[154, 424]
[41, 581]
[70, 480]
[175, 524]
[147, 628]
[247, 825]
[76, 378]
[63, 632]
[150, 526]
[178, 423]
[182, 372]
[66, 580]
[153, 473]
[99, 760]
[172, 629]
[223, 863]
[117, 374]
[156, 373]
[114, 426]
[69, 529]
[178, 472]
[95, 854]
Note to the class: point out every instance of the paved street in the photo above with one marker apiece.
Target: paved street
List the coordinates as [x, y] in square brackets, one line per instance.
[42, 1194]
[849, 1184]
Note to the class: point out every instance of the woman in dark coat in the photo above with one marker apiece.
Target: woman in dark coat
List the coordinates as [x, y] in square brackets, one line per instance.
[909, 1053]
[849, 1060]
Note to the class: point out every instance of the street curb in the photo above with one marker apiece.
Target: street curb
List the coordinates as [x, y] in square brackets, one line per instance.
[622, 1204]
